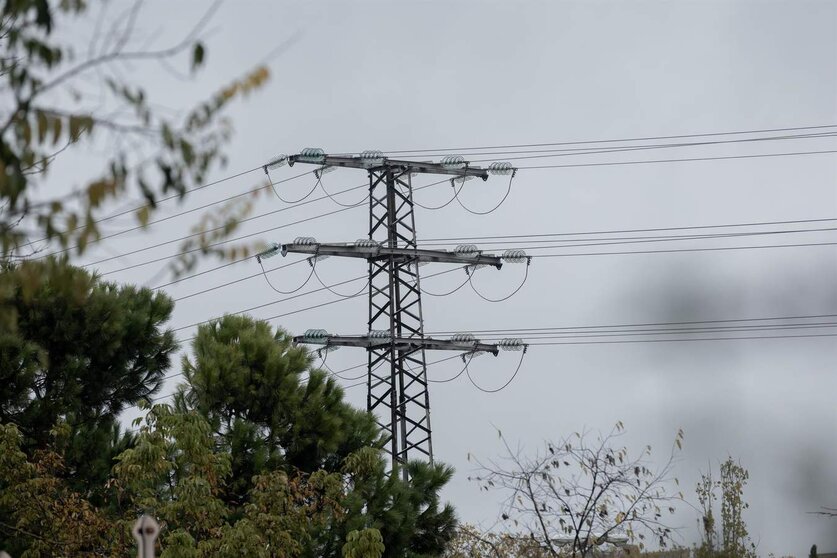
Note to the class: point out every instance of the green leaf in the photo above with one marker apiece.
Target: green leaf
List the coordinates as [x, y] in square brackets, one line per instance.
[198, 53]
[43, 125]
[56, 130]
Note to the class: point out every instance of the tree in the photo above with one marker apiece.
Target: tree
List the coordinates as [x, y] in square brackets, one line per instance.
[249, 383]
[733, 540]
[257, 455]
[471, 542]
[578, 494]
[247, 380]
[181, 467]
[80, 352]
[46, 74]
[40, 514]
[358, 510]
[813, 553]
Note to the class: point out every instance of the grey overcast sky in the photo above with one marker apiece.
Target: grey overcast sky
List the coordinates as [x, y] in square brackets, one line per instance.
[409, 75]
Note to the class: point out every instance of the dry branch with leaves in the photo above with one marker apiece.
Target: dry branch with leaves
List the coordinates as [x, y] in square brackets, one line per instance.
[582, 492]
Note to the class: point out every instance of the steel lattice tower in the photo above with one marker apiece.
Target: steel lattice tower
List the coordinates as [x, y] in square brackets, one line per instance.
[396, 345]
[397, 378]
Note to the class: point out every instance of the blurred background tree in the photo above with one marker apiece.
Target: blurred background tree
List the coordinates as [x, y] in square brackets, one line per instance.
[580, 495]
[729, 538]
[46, 79]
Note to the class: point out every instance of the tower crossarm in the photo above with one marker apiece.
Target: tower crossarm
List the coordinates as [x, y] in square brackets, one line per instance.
[377, 163]
[378, 252]
[405, 344]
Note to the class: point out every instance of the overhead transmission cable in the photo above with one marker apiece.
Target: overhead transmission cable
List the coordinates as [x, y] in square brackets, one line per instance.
[618, 140]
[455, 240]
[330, 288]
[505, 385]
[631, 341]
[294, 202]
[272, 184]
[518, 331]
[120, 213]
[201, 248]
[685, 160]
[493, 209]
[541, 238]
[303, 294]
[548, 153]
[514, 292]
[663, 332]
[428, 185]
[299, 288]
[683, 250]
[330, 196]
[228, 240]
[647, 324]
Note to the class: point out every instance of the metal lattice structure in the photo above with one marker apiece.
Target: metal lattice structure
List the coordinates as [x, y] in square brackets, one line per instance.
[396, 345]
[397, 391]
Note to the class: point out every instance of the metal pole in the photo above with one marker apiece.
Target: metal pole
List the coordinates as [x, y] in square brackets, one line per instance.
[145, 532]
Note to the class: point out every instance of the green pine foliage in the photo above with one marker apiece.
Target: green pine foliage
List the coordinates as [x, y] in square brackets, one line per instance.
[257, 455]
[81, 351]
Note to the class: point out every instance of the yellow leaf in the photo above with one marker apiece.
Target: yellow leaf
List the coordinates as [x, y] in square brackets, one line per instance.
[142, 215]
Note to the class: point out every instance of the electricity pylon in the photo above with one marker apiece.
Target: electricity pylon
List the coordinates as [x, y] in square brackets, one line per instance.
[397, 393]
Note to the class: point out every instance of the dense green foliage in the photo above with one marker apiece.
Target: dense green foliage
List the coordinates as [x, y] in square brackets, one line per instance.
[271, 411]
[257, 454]
[80, 352]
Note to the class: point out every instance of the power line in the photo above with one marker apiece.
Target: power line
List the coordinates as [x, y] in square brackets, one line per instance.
[547, 153]
[625, 231]
[619, 140]
[201, 248]
[631, 341]
[330, 213]
[811, 244]
[180, 214]
[543, 340]
[671, 251]
[271, 303]
[661, 332]
[621, 148]
[425, 186]
[257, 307]
[652, 324]
[291, 313]
[161, 200]
[225, 241]
[629, 240]
[582, 242]
[426, 241]
[691, 159]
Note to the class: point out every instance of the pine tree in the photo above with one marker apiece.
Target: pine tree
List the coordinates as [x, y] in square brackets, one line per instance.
[79, 352]
[274, 411]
